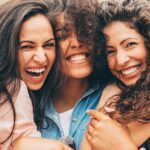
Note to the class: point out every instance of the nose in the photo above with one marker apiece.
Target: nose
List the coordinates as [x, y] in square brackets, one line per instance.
[122, 58]
[40, 56]
[75, 43]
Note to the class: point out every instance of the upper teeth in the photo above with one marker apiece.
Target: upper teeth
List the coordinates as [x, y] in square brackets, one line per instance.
[78, 57]
[130, 71]
[36, 70]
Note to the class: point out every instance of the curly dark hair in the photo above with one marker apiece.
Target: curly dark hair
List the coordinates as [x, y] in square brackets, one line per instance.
[81, 15]
[12, 15]
[133, 104]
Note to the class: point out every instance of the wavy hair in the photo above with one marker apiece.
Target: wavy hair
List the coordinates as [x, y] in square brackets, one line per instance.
[133, 104]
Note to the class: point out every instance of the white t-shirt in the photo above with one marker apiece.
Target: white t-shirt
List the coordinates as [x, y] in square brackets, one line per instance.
[65, 119]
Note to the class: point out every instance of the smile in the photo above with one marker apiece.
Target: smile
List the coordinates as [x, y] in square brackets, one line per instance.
[78, 58]
[131, 70]
[35, 72]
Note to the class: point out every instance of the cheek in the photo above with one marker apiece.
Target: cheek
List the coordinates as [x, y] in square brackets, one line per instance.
[24, 57]
[111, 63]
[141, 53]
[64, 45]
[51, 57]
[20, 61]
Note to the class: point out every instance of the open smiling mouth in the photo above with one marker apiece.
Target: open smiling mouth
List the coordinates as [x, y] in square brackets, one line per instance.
[35, 72]
[78, 58]
[132, 70]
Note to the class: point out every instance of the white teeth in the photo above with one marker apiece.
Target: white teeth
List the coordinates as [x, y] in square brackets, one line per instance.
[78, 58]
[36, 70]
[131, 70]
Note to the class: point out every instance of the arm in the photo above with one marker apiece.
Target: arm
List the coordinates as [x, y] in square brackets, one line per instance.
[138, 132]
[39, 144]
[105, 133]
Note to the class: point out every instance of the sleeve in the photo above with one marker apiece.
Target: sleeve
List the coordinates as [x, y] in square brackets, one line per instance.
[24, 125]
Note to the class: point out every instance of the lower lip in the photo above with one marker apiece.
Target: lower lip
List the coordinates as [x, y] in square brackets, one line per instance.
[34, 79]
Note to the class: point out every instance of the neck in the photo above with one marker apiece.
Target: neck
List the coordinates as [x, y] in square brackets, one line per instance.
[70, 93]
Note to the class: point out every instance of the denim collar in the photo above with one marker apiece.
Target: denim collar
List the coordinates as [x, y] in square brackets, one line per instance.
[50, 109]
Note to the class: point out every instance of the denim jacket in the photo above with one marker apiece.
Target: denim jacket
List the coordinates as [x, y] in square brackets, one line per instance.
[79, 118]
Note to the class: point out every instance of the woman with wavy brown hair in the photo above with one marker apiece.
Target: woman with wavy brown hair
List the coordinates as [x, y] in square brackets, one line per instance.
[125, 27]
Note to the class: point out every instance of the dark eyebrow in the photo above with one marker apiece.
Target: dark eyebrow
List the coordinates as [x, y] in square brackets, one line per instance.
[50, 40]
[34, 43]
[26, 42]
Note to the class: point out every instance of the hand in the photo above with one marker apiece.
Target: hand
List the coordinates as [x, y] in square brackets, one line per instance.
[105, 133]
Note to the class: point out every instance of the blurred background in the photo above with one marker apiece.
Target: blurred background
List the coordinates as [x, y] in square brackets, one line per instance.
[3, 1]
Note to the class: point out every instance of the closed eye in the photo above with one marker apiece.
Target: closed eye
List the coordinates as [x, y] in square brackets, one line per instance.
[49, 45]
[25, 47]
[63, 33]
[110, 52]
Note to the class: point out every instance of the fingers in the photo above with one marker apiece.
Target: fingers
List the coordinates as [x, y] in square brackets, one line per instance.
[97, 115]
[93, 141]
[108, 109]
[90, 130]
[93, 128]
[94, 123]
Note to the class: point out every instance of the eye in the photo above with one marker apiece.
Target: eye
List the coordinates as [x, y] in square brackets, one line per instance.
[110, 51]
[131, 44]
[49, 45]
[25, 47]
[63, 33]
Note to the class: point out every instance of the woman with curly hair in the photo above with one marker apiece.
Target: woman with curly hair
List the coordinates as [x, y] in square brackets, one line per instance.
[80, 89]
[125, 27]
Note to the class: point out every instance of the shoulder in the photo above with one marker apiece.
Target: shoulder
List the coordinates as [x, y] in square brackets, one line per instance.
[109, 91]
[23, 95]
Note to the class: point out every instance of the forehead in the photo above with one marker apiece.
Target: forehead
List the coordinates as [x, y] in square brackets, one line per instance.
[120, 28]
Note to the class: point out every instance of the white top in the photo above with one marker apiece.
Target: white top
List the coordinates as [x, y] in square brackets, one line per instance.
[65, 119]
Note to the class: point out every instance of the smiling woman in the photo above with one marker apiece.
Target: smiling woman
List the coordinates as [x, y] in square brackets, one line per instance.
[27, 47]
[124, 108]
[36, 51]
[126, 52]
[81, 89]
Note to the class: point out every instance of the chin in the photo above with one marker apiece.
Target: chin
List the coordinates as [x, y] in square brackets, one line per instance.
[34, 87]
[130, 83]
[82, 75]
